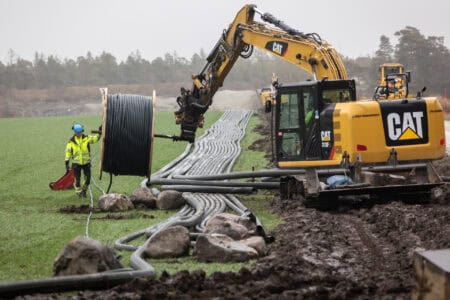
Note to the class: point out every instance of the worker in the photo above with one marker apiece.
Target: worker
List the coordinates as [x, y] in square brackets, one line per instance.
[309, 116]
[78, 150]
[309, 110]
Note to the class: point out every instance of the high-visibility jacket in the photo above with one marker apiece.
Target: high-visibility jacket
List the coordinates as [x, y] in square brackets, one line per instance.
[78, 148]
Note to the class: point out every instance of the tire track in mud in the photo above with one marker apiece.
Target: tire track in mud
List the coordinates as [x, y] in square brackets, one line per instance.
[362, 240]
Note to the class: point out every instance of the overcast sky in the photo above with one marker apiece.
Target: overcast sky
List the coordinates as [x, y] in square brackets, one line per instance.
[70, 29]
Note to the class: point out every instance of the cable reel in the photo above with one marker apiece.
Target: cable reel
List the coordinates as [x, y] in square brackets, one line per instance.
[127, 145]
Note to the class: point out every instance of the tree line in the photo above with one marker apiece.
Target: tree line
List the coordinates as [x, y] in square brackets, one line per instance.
[425, 56]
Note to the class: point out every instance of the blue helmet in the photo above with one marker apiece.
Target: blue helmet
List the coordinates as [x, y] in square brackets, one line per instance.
[77, 128]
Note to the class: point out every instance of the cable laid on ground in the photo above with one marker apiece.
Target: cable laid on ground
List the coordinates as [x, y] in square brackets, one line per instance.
[91, 208]
[261, 185]
[74, 282]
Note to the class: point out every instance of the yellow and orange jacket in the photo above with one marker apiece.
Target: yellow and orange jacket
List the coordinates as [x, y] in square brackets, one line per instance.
[78, 148]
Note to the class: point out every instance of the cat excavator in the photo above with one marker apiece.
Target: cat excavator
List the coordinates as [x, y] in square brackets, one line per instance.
[393, 83]
[340, 145]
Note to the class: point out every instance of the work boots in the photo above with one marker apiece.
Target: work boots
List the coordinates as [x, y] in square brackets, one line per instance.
[78, 192]
[83, 192]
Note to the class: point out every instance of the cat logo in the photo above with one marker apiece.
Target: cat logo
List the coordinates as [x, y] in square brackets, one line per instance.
[404, 123]
[276, 47]
[325, 136]
[406, 126]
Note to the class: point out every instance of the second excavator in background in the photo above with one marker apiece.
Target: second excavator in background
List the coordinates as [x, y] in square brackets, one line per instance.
[344, 146]
[394, 82]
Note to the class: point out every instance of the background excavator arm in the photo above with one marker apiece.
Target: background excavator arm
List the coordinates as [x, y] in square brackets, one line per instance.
[307, 51]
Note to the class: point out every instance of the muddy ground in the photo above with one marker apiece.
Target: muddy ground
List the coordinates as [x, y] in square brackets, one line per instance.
[355, 252]
[363, 253]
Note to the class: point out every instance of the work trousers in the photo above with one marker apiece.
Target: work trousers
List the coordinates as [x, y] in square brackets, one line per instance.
[87, 175]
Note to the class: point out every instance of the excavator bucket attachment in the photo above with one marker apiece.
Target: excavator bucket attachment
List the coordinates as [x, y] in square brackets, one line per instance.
[63, 183]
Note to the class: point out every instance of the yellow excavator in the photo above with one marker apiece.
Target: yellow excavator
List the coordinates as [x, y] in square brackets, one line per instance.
[393, 83]
[344, 146]
[265, 94]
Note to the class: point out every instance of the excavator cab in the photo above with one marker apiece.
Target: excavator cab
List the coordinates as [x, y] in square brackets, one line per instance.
[303, 121]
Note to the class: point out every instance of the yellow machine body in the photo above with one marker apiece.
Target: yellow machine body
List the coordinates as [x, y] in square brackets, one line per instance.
[359, 130]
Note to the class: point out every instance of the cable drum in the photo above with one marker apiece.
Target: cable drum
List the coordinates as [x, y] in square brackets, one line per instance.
[127, 147]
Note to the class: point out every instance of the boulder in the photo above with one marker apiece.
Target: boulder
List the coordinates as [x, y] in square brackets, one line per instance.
[257, 243]
[170, 200]
[170, 242]
[231, 225]
[85, 256]
[222, 248]
[143, 198]
[114, 202]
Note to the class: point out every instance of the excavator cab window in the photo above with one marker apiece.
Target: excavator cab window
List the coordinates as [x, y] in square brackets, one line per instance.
[298, 121]
[337, 91]
[391, 70]
[335, 96]
[289, 125]
[297, 112]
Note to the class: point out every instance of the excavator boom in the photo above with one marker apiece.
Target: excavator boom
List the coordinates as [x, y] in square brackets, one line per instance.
[307, 51]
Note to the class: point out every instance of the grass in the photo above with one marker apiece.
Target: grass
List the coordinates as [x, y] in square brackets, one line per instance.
[248, 159]
[34, 231]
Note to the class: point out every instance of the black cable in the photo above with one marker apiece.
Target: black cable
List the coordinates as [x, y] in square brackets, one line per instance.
[128, 137]
[110, 183]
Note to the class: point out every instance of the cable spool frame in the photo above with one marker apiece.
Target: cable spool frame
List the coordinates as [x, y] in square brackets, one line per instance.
[152, 134]
[104, 92]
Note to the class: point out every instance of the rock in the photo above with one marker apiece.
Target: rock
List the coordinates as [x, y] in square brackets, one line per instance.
[381, 179]
[222, 248]
[85, 256]
[171, 242]
[114, 202]
[257, 243]
[143, 198]
[234, 226]
[439, 195]
[170, 200]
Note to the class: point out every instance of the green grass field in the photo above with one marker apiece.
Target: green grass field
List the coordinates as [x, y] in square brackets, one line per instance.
[34, 231]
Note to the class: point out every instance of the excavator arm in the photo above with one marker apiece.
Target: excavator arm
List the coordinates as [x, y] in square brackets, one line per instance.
[307, 51]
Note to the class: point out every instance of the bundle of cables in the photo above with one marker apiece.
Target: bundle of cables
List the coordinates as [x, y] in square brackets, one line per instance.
[128, 135]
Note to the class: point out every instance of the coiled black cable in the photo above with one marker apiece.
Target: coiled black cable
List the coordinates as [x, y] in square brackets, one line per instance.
[128, 135]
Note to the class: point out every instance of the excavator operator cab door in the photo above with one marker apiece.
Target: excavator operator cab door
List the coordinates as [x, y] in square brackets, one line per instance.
[302, 111]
